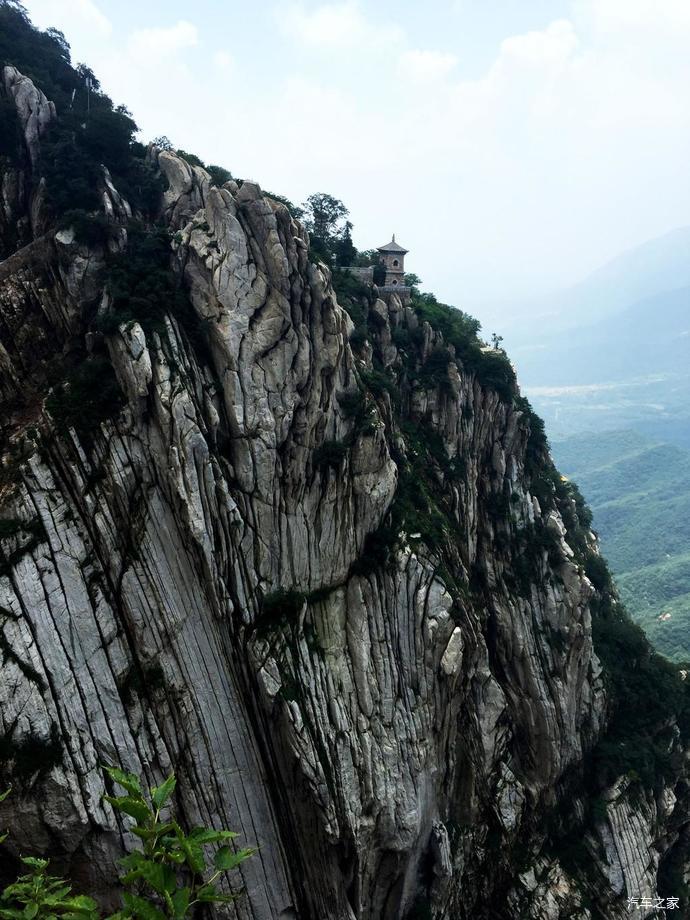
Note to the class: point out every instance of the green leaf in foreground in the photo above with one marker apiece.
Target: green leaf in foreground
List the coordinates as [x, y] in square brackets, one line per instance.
[161, 794]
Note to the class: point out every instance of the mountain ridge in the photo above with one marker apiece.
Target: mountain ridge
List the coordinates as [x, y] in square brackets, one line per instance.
[306, 547]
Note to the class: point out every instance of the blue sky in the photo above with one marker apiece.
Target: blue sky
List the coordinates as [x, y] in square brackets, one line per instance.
[512, 145]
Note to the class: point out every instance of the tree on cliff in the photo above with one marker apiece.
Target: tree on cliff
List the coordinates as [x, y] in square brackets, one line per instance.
[330, 237]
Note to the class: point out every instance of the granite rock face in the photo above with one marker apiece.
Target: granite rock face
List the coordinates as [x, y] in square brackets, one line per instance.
[190, 585]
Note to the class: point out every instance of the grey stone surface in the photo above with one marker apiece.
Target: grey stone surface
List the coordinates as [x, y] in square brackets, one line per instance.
[377, 738]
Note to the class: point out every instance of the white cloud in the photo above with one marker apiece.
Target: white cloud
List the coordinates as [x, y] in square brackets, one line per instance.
[336, 25]
[423, 66]
[223, 61]
[667, 15]
[151, 44]
[83, 12]
[538, 154]
[90, 13]
[549, 47]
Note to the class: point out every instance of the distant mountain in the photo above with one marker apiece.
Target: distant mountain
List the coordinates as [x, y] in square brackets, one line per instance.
[661, 264]
[631, 367]
[639, 492]
[650, 337]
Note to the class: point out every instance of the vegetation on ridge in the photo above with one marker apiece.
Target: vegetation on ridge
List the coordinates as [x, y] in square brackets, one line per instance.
[648, 700]
[639, 491]
[88, 131]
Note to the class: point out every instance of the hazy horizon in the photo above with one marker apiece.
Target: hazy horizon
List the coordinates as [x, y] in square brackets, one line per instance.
[508, 145]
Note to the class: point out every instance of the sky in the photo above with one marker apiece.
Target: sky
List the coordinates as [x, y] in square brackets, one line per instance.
[513, 146]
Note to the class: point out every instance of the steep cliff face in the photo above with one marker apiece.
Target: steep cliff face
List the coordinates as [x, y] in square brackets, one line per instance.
[325, 583]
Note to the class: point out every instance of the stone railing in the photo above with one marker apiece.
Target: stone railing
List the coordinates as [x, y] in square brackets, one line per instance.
[402, 290]
[364, 273]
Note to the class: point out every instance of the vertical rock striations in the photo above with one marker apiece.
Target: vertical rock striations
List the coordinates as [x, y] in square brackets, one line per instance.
[218, 561]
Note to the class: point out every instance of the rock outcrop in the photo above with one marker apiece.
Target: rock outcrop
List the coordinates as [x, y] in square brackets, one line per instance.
[195, 583]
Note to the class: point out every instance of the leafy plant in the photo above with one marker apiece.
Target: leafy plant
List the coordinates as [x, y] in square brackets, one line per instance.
[39, 896]
[169, 876]
[171, 873]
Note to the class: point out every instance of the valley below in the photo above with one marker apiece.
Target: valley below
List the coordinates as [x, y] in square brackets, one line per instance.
[639, 493]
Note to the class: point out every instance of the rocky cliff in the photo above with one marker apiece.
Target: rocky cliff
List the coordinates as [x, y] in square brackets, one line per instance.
[335, 585]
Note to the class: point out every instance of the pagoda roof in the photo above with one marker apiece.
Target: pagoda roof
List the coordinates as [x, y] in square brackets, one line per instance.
[392, 247]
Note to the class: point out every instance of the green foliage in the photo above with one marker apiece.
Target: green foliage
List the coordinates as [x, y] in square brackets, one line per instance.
[368, 258]
[141, 184]
[89, 395]
[497, 506]
[536, 545]
[144, 287]
[324, 217]
[344, 248]
[598, 572]
[170, 877]
[219, 175]
[71, 174]
[380, 273]
[172, 873]
[537, 443]
[640, 495]
[191, 158]
[359, 408]
[434, 371]
[330, 454]
[661, 590]
[377, 550]
[43, 56]
[648, 694]
[354, 296]
[358, 338]
[89, 130]
[543, 485]
[11, 138]
[279, 608]
[378, 382]
[457, 327]
[420, 506]
[353, 403]
[493, 369]
[89, 229]
[39, 896]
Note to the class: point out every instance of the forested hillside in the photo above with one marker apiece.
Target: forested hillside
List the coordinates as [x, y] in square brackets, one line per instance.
[301, 544]
[639, 492]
